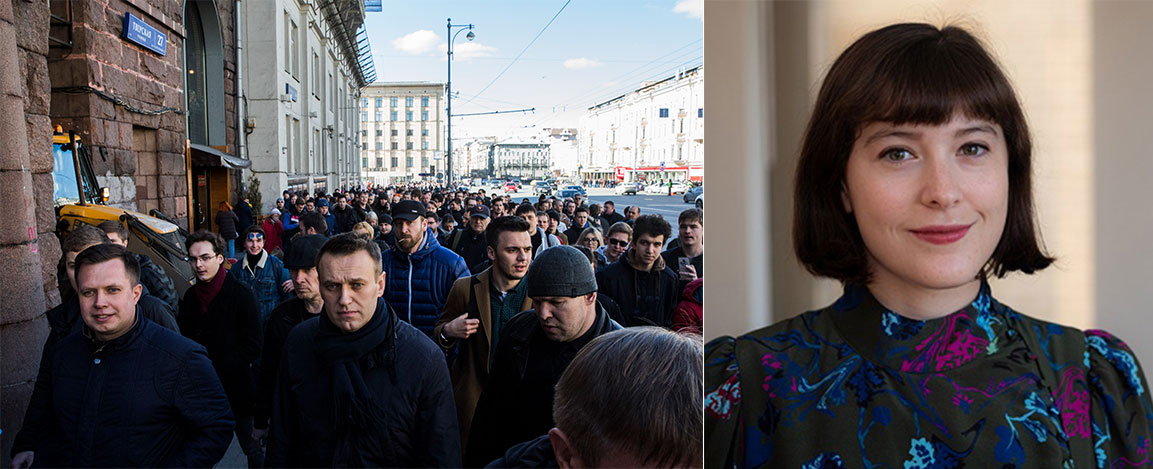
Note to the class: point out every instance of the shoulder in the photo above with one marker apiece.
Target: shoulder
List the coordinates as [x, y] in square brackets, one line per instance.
[1110, 357]
[301, 336]
[166, 341]
[521, 326]
[413, 347]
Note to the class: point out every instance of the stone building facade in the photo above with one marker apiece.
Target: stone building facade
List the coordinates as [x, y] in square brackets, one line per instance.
[402, 131]
[70, 64]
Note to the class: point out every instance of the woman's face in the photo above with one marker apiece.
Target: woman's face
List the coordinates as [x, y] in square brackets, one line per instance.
[590, 241]
[930, 202]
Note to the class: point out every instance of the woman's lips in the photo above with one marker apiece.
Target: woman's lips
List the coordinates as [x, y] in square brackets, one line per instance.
[943, 234]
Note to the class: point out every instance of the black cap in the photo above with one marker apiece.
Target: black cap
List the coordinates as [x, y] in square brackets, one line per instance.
[386, 218]
[407, 210]
[303, 250]
[478, 211]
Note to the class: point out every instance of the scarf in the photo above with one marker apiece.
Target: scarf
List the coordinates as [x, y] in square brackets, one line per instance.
[207, 291]
[358, 421]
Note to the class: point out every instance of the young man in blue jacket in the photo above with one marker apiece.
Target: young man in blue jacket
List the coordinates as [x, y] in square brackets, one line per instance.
[263, 273]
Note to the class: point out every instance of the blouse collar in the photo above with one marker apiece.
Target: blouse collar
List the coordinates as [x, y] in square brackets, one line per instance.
[915, 346]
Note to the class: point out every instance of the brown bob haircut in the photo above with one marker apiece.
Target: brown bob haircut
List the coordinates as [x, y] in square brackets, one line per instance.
[910, 73]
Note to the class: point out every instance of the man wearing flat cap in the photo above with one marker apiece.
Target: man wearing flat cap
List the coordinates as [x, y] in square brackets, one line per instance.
[534, 349]
[300, 260]
[470, 242]
[419, 271]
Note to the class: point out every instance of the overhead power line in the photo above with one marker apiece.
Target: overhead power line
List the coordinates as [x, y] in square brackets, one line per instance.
[530, 43]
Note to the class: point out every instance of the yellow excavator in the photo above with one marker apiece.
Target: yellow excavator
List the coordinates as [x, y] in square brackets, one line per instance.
[79, 200]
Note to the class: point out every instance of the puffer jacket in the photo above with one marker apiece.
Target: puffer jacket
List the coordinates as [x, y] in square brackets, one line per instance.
[689, 315]
[265, 284]
[418, 283]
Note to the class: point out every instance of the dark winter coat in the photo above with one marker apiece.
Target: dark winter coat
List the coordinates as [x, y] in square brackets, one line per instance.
[672, 259]
[418, 283]
[645, 298]
[226, 225]
[345, 218]
[230, 331]
[535, 453]
[516, 404]
[148, 398]
[410, 394]
[244, 217]
[470, 245]
[285, 317]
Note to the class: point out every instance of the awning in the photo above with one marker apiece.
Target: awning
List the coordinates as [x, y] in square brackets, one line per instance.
[207, 156]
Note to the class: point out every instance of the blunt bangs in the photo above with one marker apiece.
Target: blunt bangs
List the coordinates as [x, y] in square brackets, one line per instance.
[909, 73]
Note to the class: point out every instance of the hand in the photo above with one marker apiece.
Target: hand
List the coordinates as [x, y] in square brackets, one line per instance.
[287, 286]
[23, 459]
[258, 435]
[461, 327]
[689, 273]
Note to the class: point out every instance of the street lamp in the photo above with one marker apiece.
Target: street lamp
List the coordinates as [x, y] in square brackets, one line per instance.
[470, 36]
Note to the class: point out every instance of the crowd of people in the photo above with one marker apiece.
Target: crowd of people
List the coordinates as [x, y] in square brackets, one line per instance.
[407, 326]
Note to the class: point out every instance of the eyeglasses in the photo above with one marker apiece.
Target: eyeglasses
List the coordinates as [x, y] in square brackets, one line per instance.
[255, 236]
[202, 259]
[616, 242]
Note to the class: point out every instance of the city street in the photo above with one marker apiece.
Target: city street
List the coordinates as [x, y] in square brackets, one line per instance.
[668, 207]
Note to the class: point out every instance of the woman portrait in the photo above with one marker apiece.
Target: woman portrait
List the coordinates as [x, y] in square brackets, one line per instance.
[913, 189]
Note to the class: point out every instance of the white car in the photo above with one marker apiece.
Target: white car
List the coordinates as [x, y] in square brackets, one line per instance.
[626, 188]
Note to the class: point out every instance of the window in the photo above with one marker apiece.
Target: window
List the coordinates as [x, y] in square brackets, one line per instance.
[408, 100]
[364, 146]
[315, 85]
[363, 133]
[700, 112]
[291, 59]
[364, 117]
[379, 132]
[424, 162]
[379, 162]
[394, 162]
[424, 101]
[379, 145]
[407, 115]
[407, 145]
[378, 116]
[424, 145]
[364, 162]
[394, 146]
[392, 101]
[423, 115]
[423, 132]
[379, 102]
[364, 102]
[408, 132]
[664, 112]
[392, 115]
[394, 132]
[408, 162]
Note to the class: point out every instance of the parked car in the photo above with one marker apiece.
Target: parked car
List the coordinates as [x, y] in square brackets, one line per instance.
[701, 201]
[576, 188]
[628, 188]
[510, 186]
[691, 194]
[568, 191]
[680, 188]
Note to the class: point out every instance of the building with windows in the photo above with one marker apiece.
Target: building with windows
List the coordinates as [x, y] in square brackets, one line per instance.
[305, 62]
[524, 159]
[401, 125]
[653, 133]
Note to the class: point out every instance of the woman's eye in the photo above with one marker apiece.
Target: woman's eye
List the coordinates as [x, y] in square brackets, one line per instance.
[973, 149]
[896, 154]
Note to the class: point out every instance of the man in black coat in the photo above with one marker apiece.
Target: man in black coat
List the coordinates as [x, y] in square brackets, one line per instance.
[122, 392]
[640, 282]
[300, 260]
[533, 351]
[470, 242]
[221, 314]
[357, 387]
[610, 215]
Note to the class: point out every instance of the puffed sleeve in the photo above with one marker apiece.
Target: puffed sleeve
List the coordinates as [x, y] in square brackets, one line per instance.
[1121, 413]
[722, 403]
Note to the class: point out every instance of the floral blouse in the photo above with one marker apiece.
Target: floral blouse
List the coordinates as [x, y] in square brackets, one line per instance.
[857, 385]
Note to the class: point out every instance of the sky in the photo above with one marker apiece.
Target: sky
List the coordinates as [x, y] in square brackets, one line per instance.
[593, 51]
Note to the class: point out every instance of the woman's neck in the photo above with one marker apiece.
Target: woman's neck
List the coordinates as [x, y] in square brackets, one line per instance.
[923, 302]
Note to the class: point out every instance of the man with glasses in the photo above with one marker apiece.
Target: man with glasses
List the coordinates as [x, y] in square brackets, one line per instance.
[616, 241]
[263, 273]
[641, 283]
[221, 313]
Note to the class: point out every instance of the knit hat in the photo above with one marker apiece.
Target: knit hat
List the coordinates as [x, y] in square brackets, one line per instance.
[275, 211]
[322, 203]
[303, 250]
[560, 271]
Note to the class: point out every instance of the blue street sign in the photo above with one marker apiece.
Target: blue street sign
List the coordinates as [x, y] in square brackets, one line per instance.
[136, 30]
[373, 5]
[291, 92]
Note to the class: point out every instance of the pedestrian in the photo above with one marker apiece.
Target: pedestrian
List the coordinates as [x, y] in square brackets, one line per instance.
[591, 238]
[122, 391]
[580, 221]
[221, 313]
[273, 232]
[540, 239]
[419, 270]
[470, 242]
[226, 225]
[610, 216]
[688, 257]
[263, 273]
[244, 218]
[606, 414]
[912, 189]
[329, 218]
[689, 313]
[617, 241]
[553, 218]
[643, 286]
[534, 350]
[300, 260]
[356, 386]
[479, 307]
[153, 278]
